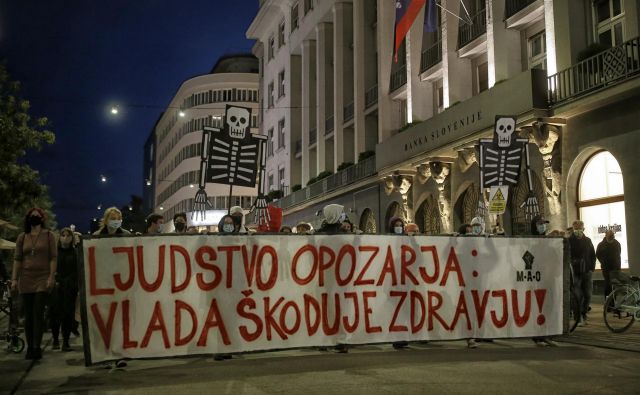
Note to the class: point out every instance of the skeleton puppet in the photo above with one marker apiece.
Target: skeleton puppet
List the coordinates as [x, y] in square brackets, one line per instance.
[229, 156]
[500, 160]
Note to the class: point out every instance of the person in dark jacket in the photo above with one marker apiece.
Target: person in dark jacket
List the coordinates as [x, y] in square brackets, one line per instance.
[540, 227]
[583, 262]
[608, 253]
[65, 292]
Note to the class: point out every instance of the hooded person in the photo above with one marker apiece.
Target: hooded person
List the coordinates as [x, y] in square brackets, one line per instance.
[228, 224]
[238, 212]
[477, 226]
[333, 217]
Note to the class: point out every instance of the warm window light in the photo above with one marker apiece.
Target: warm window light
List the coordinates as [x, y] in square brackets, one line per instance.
[191, 186]
[181, 114]
[161, 208]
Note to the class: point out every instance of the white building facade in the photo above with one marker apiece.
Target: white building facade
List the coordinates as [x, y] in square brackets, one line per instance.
[201, 101]
[567, 69]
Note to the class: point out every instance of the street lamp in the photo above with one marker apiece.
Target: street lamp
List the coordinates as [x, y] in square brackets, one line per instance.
[103, 178]
[148, 183]
[181, 114]
[114, 110]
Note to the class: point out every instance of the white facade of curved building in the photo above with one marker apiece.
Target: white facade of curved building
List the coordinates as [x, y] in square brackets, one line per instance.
[178, 140]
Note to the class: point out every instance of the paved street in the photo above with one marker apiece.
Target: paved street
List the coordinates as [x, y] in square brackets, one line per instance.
[513, 366]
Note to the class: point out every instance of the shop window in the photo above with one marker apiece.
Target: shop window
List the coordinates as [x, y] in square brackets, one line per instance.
[601, 201]
[609, 21]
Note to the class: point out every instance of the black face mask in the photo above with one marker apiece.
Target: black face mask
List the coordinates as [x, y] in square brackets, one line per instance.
[179, 226]
[34, 220]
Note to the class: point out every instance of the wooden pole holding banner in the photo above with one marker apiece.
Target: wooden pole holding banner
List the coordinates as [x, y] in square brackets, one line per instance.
[230, 196]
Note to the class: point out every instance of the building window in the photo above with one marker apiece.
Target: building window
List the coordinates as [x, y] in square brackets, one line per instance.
[281, 137]
[308, 6]
[254, 121]
[281, 35]
[538, 51]
[271, 185]
[483, 77]
[601, 201]
[272, 49]
[270, 142]
[271, 99]
[281, 179]
[281, 84]
[609, 21]
[294, 17]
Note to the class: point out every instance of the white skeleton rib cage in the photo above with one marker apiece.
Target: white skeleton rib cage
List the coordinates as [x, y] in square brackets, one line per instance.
[500, 161]
[236, 157]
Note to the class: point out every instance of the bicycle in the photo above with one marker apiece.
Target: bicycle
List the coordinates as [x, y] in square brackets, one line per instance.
[15, 343]
[622, 305]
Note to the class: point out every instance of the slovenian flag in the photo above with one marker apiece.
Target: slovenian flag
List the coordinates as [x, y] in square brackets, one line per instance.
[406, 13]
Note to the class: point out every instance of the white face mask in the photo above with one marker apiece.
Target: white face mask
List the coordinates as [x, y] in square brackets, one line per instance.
[114, 223]
[398, 230]
[578, 232]
[476, 229]
[228, 228]
[542, 228]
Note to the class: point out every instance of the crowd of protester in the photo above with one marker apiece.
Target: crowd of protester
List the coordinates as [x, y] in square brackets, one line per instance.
[45, 264]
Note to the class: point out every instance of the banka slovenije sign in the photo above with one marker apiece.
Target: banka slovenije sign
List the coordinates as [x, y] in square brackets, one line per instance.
[165, 296]
[464, 121]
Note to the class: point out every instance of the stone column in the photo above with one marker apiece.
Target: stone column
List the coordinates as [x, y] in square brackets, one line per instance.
[503, 45]
[308, 103]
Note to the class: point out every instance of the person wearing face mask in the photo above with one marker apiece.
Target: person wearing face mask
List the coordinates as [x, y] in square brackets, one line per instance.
[346, 226]
[477, 226]
[111, 223]
[539, 227]
[34, 269]
[65, 292]
[333, 217]
[396, 226]
[180, 222]
[583, 262]
[608, 253]
[154, 224]
[227, 225]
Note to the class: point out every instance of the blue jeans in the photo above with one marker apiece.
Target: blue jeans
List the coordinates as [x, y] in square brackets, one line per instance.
[584, 288]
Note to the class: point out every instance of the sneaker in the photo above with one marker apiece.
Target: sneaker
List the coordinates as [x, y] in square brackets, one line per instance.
[471, 343]
[56, 345]
[551, 343]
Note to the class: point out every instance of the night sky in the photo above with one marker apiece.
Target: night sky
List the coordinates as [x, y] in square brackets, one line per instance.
[76, 58]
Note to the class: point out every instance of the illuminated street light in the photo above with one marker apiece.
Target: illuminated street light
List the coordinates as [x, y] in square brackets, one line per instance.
[181, 114]
[148, 183]
[114, 110]
[130, 208]
[100, 207]
[103, 178]
[191, 186]
[161, 208]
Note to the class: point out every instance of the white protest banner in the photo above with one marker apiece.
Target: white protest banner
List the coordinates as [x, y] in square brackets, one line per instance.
[166, 296]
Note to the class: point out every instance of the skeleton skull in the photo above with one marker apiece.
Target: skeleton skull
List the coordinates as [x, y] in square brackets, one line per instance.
[238, 121]
[505, 126]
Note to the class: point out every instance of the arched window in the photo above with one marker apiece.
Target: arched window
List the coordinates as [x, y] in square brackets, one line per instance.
[601, 201]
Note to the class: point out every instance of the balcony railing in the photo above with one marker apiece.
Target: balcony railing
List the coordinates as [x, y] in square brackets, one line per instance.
[399, 78]
[328, 125]
[469, 32]
[371, 96]
[513, 6]
[609, 67]
[431, 56]
[313, 136]
[363, 169]
[348, 112]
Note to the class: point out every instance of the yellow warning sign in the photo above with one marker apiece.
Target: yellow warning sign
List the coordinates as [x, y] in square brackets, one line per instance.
[498, 199]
